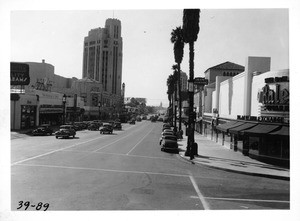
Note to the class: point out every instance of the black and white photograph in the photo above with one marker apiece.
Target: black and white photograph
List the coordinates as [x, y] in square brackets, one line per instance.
[160, 111]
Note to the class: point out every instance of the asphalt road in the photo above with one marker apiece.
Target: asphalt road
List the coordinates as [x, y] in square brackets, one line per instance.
[127, 171]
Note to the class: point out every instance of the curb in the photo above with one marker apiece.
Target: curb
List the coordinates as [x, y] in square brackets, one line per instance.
[236, 171]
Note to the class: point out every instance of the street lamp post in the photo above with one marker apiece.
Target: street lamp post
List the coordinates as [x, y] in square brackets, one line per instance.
[99, 106]
[64, 100]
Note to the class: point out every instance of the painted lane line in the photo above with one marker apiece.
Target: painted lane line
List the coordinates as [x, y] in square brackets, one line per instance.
[45, 154]
[103, 170]
[201, 197]
[247, 200]
[140, 141]
[115, 141]
[61, 149]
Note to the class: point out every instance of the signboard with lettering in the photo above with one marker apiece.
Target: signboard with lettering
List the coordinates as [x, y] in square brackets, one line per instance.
[275, 94]
[19, 74]
[200, 81]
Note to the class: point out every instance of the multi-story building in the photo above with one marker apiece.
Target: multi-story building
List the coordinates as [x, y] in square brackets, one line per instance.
[102, 64]
[97, 95]
[102, 56]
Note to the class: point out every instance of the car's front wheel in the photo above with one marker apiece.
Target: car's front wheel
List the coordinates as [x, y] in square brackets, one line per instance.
[56, 137]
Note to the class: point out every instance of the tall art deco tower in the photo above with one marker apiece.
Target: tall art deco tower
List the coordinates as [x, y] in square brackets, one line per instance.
[102, 56]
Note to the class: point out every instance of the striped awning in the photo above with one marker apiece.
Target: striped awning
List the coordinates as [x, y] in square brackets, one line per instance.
[262, 129]
[241, 128]
[225, 127]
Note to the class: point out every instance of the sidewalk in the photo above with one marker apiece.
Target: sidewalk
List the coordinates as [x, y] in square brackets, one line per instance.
[215, 155]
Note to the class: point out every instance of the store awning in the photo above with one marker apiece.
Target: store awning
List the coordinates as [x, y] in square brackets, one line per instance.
[239, 129]
[226, 126]
[261, 129]
[283, 131]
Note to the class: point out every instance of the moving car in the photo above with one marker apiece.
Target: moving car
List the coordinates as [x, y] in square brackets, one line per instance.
[118, 125]
[106, 128]
[44, 129]
[169, 143]
[65, 131]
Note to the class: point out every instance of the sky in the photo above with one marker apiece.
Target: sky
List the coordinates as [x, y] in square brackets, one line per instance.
[225, 35]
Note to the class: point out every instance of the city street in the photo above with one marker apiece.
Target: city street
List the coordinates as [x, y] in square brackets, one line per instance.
[127, 170]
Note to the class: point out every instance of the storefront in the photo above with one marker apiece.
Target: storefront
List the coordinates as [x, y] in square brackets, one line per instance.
[250, 112]
[50, 114]
[269, 143]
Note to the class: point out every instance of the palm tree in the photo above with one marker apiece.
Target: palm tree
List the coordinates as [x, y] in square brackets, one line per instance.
[190, 30]
[177, 40]
[175, 70]
[171, 83]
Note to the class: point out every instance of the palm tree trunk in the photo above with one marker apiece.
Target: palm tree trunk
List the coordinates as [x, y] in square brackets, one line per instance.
[179, 95]
[191, 122]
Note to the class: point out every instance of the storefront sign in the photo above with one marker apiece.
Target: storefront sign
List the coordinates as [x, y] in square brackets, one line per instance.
[278, 97]
[19, 74]
[43, 84]
[200, 81]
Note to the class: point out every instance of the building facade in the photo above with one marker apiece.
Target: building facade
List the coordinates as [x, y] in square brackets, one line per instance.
[41, 100]
[249, 112]
[102, 56]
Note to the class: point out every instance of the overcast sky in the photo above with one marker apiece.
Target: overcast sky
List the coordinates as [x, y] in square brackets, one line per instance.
[225, 35]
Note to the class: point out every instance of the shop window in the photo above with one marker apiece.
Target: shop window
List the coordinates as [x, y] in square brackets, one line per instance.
[28, 116]
[254, 145]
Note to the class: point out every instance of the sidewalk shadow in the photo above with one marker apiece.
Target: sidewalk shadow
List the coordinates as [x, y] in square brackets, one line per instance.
[243, 163]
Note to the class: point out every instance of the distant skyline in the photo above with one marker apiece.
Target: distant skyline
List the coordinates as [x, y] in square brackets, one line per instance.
[225, 35]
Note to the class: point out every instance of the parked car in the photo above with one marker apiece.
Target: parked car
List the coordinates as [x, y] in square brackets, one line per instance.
[132, 121]
[93, 126]
[166, 126]
[106, 128]
[65, 131]
[168, 130]
[75, 126]
[99, 122]
[164, 134]
[118, 125]
[169, 143]
[44, 129]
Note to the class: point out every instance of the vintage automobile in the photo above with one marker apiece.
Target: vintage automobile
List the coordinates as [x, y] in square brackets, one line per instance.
[65, 131]
[43, 129]
[117, 125]
[93, 126]
[164, 134]
[166, 126]
[168, 130]
[169, 143]
[132, 121]
[106, 128]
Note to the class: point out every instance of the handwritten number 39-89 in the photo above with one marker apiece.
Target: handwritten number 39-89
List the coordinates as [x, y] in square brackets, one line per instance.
[39, 206]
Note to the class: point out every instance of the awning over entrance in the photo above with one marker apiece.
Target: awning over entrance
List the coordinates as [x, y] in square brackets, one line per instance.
[261, 129]
[241, 128]
[226, 126]
[284, 131]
